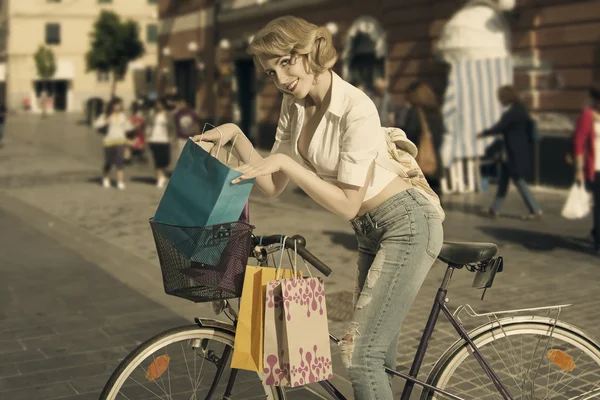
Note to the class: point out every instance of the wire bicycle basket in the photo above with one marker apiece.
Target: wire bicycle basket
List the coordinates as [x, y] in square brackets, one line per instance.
[203, 263]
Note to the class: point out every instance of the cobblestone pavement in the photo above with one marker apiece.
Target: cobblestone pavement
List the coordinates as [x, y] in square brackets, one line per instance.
[53, 166]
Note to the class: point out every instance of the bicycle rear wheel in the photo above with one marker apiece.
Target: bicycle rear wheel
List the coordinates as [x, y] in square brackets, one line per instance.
[188, 362]
[534, 358]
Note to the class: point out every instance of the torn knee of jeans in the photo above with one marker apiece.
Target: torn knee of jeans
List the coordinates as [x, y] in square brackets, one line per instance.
[347, 344]
[363, 300]
[373, 275]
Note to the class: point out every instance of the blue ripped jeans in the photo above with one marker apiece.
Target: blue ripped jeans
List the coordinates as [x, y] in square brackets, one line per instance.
[398, 242]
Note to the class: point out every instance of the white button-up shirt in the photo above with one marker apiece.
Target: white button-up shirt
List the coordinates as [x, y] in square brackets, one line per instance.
[345, 143]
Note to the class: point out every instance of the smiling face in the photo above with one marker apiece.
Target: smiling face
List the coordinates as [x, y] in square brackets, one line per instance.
[291, 73]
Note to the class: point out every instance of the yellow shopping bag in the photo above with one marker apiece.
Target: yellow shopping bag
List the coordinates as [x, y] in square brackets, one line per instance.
[249, 333]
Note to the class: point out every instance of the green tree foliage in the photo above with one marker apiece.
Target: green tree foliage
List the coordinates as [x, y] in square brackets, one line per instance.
[114, 44]
[45, 62]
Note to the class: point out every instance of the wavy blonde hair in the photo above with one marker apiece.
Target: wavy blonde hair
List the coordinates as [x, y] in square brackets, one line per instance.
[292, 35]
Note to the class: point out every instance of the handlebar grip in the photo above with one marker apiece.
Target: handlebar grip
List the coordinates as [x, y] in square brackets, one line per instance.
[302, 251]
[314, 261]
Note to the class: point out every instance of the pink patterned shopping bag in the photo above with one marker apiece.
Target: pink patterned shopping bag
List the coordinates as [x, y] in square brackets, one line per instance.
[275, 361]
[296, 338]
[307, 331]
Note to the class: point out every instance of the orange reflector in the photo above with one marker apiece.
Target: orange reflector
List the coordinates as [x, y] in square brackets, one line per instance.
[158, 367]
[561, 359]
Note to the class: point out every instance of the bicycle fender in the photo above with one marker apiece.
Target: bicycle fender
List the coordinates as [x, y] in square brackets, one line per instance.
[213, 323]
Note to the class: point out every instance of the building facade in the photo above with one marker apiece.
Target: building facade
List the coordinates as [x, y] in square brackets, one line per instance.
[553, 45]
[65, 27]
[187, 55]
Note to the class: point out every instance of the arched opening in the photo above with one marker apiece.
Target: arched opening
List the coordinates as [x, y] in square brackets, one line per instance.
[476, 44]
[365, 52]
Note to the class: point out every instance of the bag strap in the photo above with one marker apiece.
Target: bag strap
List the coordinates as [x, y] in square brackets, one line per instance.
[221, 140]
[424, 125]
[278, 265]
[294, 262]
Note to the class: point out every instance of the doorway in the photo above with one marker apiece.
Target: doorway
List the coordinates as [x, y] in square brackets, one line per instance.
[56, 89]
[364, 64]
[246, 96]
[185, 80]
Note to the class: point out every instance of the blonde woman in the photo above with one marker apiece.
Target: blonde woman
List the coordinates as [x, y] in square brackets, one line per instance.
[327, 140]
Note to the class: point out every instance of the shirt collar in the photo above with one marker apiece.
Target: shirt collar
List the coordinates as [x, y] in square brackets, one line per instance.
[336, 105]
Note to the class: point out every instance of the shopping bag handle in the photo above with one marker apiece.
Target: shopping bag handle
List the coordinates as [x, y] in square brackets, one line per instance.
[278, 265]
[301, 247]
[219, 147]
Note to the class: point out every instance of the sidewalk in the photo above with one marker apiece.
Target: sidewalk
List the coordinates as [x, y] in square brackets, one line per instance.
[65, 322]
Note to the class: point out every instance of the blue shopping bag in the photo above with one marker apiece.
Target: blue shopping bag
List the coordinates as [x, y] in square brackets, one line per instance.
[200, 192]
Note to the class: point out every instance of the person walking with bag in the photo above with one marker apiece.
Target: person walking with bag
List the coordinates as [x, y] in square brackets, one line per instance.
[424, 126]
[328, 141]
[517, 129]
[116, 125]
[159, 140]
[187, 122]
[586, 149]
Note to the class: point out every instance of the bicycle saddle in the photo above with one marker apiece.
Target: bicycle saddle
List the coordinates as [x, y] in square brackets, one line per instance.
[461, 253]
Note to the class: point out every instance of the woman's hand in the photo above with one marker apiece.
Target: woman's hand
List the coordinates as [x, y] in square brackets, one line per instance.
[220, 136]
[266, 166]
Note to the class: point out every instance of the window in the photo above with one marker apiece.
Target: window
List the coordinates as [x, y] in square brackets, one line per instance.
[151, 33]
[102, 76]
[52, 33]
[149, 75]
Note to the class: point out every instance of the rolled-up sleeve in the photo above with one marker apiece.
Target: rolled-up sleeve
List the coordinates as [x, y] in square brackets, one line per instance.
[283, 135]
[359, 144]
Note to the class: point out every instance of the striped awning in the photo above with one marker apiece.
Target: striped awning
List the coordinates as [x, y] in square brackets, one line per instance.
[471, 104]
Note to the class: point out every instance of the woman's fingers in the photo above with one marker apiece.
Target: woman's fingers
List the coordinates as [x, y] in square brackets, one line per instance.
[208, 136]
[243, 168]
[248, 172]
[215, 149]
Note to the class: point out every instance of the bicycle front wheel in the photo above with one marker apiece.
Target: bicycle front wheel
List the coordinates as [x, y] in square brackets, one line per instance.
[535, 360]
[188, 362]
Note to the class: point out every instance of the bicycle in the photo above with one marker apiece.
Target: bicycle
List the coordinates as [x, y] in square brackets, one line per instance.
[564, 362]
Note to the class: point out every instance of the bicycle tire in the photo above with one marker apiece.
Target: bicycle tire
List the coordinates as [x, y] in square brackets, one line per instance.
[161, 340]
[450, 361]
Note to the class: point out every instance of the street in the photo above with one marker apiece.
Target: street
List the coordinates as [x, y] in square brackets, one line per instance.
[82, 286]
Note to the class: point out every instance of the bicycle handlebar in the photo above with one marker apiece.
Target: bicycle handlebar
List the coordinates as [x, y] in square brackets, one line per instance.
[300, 247]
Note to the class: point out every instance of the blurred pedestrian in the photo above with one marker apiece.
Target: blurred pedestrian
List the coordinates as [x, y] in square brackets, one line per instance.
[170, 95]
[381, 97]
[187, 122]
[137, 137]
[43, 101]
[160, 130]
[586, 149]
[517, 129]
[378, 93]
[2, 122]
[424, 126]
[117, 125]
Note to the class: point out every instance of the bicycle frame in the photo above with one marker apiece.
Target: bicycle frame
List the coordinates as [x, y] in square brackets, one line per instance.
[439, 305]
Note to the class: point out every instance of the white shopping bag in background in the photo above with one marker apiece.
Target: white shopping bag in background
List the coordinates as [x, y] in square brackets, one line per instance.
[578, 204]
